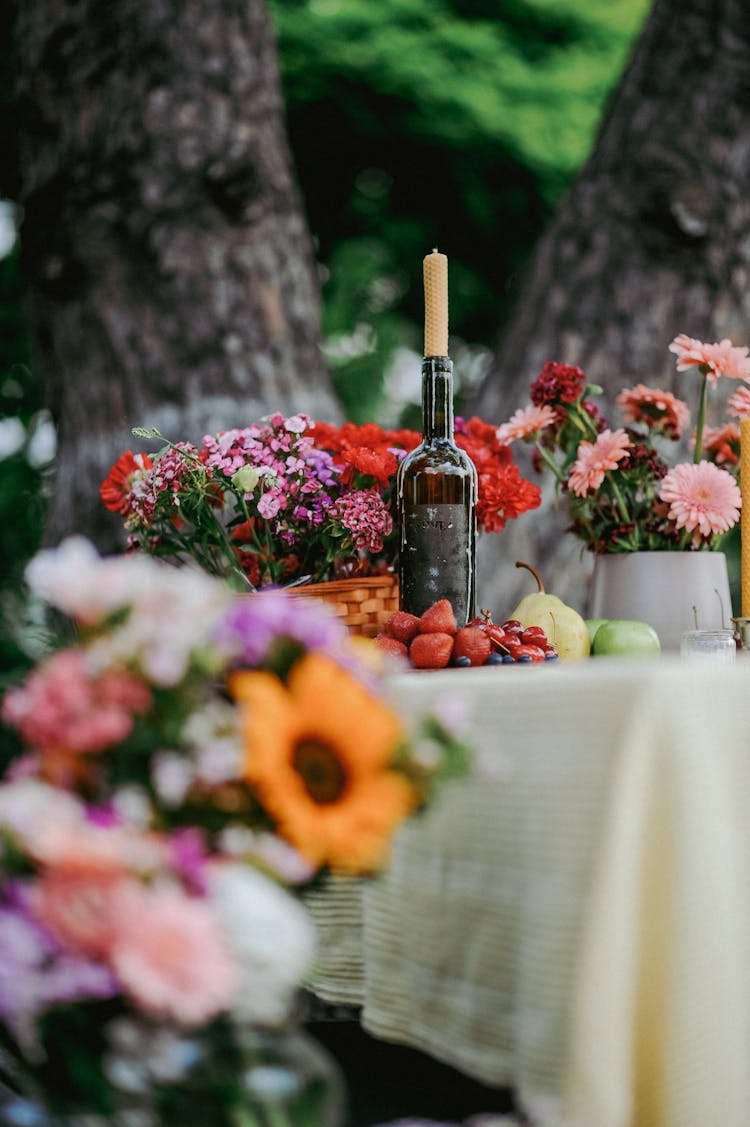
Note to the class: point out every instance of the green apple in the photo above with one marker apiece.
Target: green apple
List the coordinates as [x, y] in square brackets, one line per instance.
[592, 625]
[626, 637]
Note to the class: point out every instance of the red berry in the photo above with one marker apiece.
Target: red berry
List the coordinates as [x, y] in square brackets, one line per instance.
[472, 642]
[497, 635]
[534, 635]
[536, 653]
[402, 625]
[512, 624]
[438, 619]
[431, 651]
[390, 645]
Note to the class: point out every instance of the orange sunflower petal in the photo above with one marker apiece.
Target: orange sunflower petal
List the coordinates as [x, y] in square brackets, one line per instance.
[341, 710]
[324, 706]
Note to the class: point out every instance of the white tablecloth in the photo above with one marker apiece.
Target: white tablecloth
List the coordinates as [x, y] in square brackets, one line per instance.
[574, 920]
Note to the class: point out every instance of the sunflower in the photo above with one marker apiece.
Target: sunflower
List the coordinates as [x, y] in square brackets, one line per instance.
[318, 751]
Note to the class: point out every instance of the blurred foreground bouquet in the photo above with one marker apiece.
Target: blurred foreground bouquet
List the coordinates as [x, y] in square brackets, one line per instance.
[290, 500]
[623, 497]
[191, 760]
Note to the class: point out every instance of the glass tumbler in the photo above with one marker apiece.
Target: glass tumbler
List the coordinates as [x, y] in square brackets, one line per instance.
[708, 647]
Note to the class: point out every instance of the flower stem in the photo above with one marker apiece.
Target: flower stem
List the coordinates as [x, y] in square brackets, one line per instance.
[549, 461]
[620, 501]
[701, 420]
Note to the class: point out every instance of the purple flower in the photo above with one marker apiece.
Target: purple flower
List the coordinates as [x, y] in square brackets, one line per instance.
[255, 622]
[189, 857]
[36, 974]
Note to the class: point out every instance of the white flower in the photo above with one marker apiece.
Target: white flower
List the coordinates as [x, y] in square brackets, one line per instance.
[172, 776]
[12, 437]
[69, 578]
[271, 937]
[173, 611]
[213, 735]
[42, 445]
[28, 804]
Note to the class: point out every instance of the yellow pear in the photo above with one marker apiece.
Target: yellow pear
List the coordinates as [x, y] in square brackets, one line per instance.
[564, 627]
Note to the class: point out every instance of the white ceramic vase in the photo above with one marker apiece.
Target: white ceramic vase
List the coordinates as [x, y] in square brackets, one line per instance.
[670, 590]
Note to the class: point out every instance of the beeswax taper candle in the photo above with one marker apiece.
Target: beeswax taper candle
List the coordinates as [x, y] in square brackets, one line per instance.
[745, 517]
[435, 270]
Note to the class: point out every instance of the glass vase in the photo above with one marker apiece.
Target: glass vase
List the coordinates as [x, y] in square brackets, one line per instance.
[255, 1078]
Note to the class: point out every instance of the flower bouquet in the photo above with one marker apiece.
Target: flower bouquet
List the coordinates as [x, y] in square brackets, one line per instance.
[290, 500]
[191, 761]
[622, 495]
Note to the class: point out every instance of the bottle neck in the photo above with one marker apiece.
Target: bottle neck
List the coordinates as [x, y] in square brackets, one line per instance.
[437, 398]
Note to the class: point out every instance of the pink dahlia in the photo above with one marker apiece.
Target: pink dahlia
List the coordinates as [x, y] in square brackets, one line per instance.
[722, 359]
[739, 402]
[595, 459]
[525, 422]
[703, 498]
[659, 410]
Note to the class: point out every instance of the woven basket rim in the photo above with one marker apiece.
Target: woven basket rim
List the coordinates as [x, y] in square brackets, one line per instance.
[341, 585]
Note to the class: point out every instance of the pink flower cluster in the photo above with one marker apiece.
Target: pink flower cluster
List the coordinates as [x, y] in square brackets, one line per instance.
[63, 706]
[293, 478]
[111, 911]
[622, 495]
[364, 513]
[169, 477]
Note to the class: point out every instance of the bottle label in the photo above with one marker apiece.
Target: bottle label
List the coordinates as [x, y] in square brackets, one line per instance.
[437, 558]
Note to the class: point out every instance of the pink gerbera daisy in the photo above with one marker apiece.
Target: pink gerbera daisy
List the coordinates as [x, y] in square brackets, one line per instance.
[723, 443]
[595, 459]
[659, 410]
[703, 498]
[739, 402]
[525, 422]
[722, 359]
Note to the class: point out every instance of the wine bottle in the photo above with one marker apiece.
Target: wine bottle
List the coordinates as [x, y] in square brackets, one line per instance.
[437, 482]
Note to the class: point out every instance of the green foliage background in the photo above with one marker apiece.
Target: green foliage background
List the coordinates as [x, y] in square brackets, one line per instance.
[449, 123]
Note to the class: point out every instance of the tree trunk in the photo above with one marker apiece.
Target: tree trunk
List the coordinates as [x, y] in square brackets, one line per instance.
[169, 268]
[652, 240]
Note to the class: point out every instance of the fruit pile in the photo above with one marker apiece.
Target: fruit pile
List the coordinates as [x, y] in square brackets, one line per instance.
[434, 641]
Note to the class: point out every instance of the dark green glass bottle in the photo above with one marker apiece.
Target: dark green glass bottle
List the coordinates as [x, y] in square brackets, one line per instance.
[437, 494]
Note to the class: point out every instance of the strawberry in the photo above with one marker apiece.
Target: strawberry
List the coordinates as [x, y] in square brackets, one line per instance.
[390, 645]
[431, 651]
[472, 642]
[402, 625]
[438, 619]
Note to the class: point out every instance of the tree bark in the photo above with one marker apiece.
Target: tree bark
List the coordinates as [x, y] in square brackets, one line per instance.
[653, 239]
[169, 268]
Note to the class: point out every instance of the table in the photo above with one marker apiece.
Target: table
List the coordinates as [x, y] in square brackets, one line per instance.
[574, 920]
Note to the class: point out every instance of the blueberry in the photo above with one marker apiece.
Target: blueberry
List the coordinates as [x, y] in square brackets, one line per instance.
[495, 659]
[507, 659]
[525, 658]
[463, 660]
[550, 657]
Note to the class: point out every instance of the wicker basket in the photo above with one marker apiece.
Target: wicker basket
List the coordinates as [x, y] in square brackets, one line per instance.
[365, 603]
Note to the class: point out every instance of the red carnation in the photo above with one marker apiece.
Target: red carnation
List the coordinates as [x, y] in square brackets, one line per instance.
[115, 490]
[557, 383]
[503, 496]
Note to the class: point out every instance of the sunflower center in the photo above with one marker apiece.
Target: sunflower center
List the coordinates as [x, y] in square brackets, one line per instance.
[321, 770]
